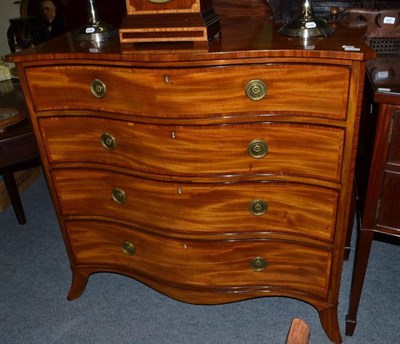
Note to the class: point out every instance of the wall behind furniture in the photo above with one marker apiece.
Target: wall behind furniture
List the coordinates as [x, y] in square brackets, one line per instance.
[75, 12]
[8, 9]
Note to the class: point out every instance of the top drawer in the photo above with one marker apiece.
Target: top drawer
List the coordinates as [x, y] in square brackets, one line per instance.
[308, 89]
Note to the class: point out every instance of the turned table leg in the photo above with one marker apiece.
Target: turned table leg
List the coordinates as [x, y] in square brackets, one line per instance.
[14, 196]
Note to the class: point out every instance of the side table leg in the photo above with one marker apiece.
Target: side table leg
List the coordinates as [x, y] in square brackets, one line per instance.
[360, 267]
[13, 194]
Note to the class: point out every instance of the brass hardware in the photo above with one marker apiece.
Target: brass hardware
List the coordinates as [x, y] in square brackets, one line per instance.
[159, 1]
[390, 133]
[256, 89]
[98, 88]
[257, 149]
[258, 207]
[258, 264]
[378, 209]
[108, 141]
[118, 196]
[128, 248]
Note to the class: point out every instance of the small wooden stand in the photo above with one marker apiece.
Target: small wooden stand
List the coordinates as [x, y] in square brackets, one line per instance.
[9, 117]
[149, 21]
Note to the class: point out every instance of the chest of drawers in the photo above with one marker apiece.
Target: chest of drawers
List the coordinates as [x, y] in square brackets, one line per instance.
[212, 176]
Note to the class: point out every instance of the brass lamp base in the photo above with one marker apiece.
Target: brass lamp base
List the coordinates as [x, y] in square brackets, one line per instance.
[306, 24]
[95, 30]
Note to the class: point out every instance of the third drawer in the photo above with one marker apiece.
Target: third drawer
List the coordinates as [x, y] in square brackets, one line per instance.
[197, 209]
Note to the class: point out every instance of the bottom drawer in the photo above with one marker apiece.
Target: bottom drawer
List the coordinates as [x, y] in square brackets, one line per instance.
[222, 264]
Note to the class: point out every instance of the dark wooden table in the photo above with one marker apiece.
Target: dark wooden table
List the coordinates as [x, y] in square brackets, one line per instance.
[18, 148]
[380, 191]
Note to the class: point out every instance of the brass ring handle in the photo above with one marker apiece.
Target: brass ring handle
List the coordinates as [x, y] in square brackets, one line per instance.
[258, 264]
[257, 149]
[108, 141]
[258, 207]
[98, 88]
[118, 196]
[128, 248]
[256, 89]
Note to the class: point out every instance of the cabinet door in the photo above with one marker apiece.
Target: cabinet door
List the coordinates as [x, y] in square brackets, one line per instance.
[389, 215]
[394, 150]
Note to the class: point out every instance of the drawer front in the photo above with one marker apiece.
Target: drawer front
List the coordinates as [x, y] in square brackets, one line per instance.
[198, 209]
[212, 264]
[291, 149]
[314, 90]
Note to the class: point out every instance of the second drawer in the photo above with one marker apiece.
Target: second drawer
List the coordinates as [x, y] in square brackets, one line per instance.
[273, 148]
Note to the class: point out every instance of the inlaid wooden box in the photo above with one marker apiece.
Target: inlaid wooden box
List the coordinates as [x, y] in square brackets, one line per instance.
[146, 21]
